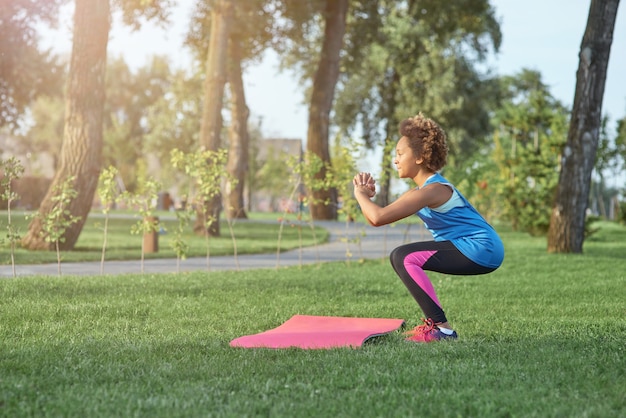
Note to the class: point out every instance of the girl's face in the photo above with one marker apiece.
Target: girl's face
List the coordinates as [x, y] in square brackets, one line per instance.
[406, 162]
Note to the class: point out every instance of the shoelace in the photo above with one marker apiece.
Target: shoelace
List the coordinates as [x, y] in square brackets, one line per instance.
[428, 326]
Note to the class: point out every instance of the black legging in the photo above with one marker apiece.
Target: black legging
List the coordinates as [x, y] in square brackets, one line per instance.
[411, 260]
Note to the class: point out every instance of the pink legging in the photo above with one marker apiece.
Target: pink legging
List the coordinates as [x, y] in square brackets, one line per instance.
[410, 262]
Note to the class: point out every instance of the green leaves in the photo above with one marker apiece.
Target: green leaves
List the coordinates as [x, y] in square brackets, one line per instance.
[56, 221]
[13, 170]
[532, 129]
[206, 170]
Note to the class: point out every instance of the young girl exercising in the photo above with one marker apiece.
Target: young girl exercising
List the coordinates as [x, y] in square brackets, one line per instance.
[464, 243]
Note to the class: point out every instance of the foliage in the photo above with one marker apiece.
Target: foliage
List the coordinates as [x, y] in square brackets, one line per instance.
[341, 173]
[427, 53]
[45, 132]
[130, 99]
[206, 169]
[609, 162]
[621, 216]
[158, 346]
[174, 121]
[302, 172]
[135, 12]
[26, 72]
[307, 170]
[144, 200]
[178, 243]
[12, 170]
[109, 193]
[516, 177]
[59, 218]
[274, 177]
[252, 28]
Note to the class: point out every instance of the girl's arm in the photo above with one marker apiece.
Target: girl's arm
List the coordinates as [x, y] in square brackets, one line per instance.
[406, 205]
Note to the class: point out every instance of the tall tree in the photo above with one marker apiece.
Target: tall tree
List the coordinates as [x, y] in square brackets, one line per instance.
[237, 165]
[81, 151]
[251, 32]
[403, 57]
[322, 97]
[215, 81]
[567, 223]
[82, 142]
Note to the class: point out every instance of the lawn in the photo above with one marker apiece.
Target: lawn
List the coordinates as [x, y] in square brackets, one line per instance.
[260, 234]
[543, 336]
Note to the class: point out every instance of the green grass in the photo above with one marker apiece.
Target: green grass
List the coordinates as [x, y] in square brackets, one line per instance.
[260, 235]
[543, 336]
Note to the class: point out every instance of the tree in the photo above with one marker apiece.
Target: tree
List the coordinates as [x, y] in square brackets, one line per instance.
[405, 57]
[130, 97]
[530, 128]
[273, 177]
[215, 81]
[82, 141]
[237, 165]
[322, 96]
[250, 33]
[25, 71]
[567, 223]
[173, 122]
[81, 151]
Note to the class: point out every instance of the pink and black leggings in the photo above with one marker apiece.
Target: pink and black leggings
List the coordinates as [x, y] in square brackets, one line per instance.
[411, 260]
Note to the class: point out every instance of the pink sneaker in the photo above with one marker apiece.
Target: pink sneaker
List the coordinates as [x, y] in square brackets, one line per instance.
[428, 332]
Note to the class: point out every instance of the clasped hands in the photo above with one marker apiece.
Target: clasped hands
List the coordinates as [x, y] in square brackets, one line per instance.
[365, 182]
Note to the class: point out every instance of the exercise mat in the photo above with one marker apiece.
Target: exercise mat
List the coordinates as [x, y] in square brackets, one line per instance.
[320, 332]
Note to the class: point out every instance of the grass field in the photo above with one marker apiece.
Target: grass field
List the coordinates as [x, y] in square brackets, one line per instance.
[543, 336]
[259, 235]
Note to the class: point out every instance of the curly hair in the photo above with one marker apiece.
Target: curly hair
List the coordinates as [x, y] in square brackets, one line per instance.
[427, 140]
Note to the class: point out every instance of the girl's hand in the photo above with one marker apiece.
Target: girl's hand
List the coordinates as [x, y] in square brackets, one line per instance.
[365, 182]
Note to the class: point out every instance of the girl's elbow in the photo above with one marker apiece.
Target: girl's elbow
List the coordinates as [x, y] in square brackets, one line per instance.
[376, 221]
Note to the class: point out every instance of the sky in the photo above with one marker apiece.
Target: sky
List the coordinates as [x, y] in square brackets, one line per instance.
[539, 35]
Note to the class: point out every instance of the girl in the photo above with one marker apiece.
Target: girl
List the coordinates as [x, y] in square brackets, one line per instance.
[464, 243]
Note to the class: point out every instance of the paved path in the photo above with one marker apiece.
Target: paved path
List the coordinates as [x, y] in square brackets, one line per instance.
[360, 240]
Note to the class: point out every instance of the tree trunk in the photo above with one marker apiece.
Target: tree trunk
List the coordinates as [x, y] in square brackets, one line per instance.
[211, 127]
[322, 96]
[567, 223]
[238, 151]
[81, 151]
[389, 108]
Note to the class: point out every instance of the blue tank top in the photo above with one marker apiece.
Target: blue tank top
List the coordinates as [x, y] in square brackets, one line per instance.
[457, 221]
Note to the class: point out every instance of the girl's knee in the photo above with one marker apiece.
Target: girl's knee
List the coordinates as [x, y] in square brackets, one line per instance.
[396, 257]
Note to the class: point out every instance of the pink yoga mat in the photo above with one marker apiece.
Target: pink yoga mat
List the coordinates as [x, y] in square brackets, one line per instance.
[316, 332]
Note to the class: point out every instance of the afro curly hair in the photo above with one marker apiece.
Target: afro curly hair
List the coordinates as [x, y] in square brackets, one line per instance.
[427, 140]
